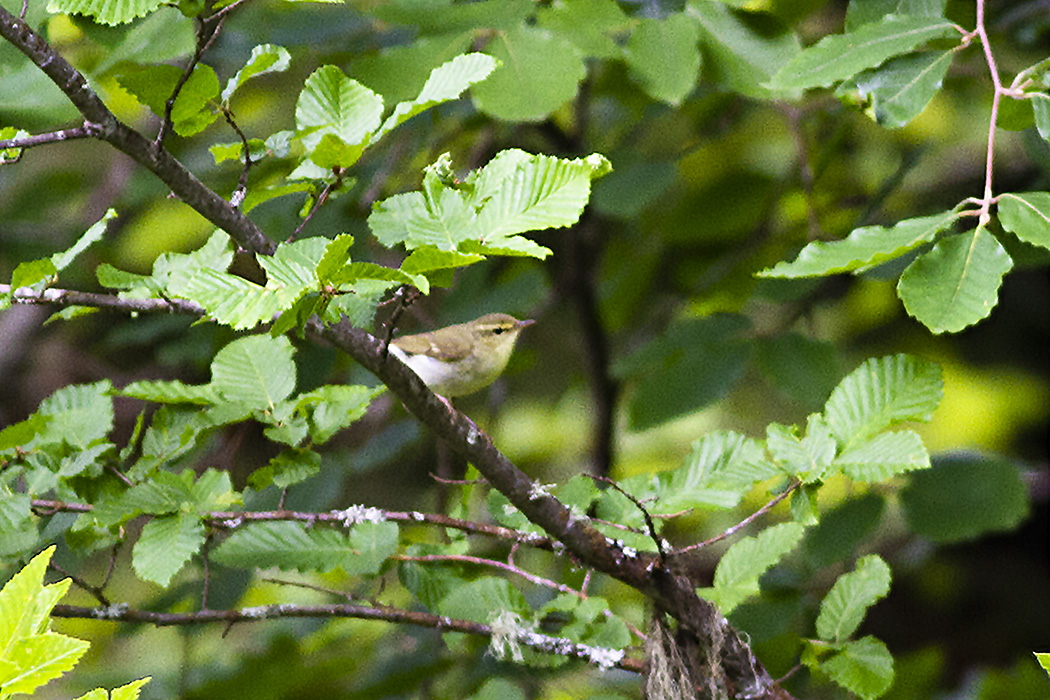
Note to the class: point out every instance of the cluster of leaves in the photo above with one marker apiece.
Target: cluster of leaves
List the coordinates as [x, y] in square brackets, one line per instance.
[954, 283]
[32, 655]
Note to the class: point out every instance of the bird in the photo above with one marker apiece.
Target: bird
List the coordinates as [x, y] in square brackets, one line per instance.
[461, 359]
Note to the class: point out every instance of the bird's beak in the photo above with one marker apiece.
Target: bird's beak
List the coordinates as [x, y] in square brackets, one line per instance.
[526, 322]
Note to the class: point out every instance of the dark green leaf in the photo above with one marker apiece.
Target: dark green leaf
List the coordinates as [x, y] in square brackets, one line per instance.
[965, 496]
[840, 56]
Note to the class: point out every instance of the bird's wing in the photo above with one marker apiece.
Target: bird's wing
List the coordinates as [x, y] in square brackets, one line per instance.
[450, 349]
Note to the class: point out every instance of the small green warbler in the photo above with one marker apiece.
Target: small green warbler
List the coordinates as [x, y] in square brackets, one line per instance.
[460, 359]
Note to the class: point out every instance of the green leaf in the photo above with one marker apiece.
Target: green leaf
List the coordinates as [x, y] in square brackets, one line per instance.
[838, 57]
[33, 272]
[664, 57]
[33, 661]
[965, 496]
[335, 106]
[154, 85]
[1027, 216]
[864, 667]
[883, 456]
[333, 407]
[443, 16]
[956, 284]
[803, 368]
[166, 544]
[863, 248]
[1041, 113]
[1044, 660]
[233, 300]
[482, 598]
[172, 433]
[720, 469]
[737, 573]
[128, 691]
[807, 458]
[165, 493]
[514, 193]
[840, 531]
[399, 72]
[695, 363]
[881, 393]
[900, 89]
[431, 259]
[447, 82]
[289, 467]
[93, 234]
[79, 415]
[257, 370]
[539, 192]
[336, 254]
[25, 603]
[10, 155]
[590, 25]
[845, 605]
[356, 271]
[539, 72]
[292, 545]
[742, 50]
[265, 58]
[106, 11]
[170, 392]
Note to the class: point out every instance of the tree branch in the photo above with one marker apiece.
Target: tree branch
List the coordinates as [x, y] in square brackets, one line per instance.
[539, 642]
[69, 297]
[105, 126]
[77, 132]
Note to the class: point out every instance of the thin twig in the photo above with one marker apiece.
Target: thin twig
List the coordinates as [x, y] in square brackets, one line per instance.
[242, 182]
[229, 520]
[645, 513]
[95, 591]
[69, 297]
[986, 204]
[77, 132]
[743, 523]
[492, 563]
[321, 199]
[207, 31]
[123, 613]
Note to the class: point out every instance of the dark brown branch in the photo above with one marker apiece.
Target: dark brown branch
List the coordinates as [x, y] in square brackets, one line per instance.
[107, 127]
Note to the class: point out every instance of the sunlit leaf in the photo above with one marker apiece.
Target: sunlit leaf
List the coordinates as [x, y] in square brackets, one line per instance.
[956, 284]
[845, 605]
[883, 392]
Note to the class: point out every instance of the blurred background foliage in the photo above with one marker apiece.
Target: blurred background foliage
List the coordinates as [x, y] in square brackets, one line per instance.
[648, 312]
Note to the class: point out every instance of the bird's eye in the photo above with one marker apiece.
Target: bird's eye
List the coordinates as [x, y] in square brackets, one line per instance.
[498, 329]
